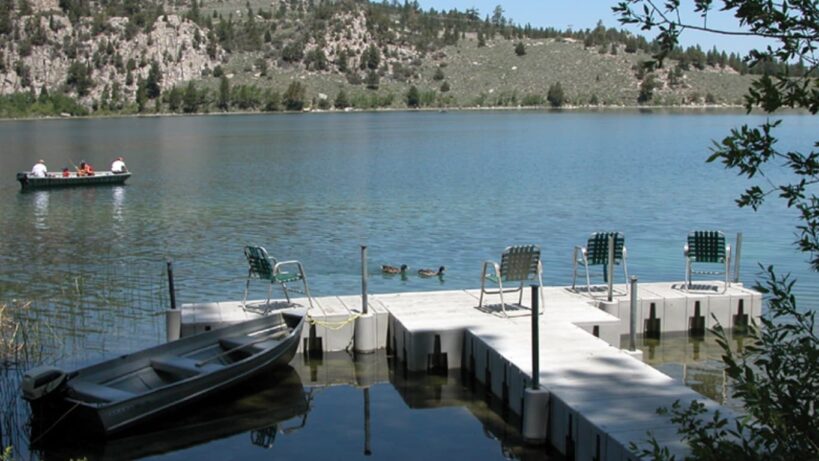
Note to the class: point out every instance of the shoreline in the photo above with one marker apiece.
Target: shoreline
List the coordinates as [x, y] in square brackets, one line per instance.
[728, 108]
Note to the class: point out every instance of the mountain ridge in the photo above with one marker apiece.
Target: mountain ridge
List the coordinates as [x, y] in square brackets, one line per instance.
[125, 57]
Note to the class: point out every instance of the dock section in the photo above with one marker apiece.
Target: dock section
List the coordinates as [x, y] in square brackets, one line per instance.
[601, 398]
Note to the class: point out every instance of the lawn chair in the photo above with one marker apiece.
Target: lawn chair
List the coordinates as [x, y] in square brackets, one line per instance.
[596, 253]
[263, 267]
[518, 264]
[706, 247]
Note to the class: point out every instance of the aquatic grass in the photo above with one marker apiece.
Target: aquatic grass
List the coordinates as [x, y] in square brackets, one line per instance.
[24, 338]
[23, 334]
[8, 332]
[77, 313]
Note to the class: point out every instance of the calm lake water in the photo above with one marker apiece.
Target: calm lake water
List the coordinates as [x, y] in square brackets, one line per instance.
[423, 189]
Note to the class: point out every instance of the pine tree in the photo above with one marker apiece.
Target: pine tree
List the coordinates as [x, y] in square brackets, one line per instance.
[224, 94]
[190, 100]
[373, 80]
[294, 96]
[413, 97]
[341, 102]
[152, 89]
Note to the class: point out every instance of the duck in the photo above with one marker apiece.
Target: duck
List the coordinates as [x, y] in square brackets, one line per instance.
[431, 272]
[387, 269]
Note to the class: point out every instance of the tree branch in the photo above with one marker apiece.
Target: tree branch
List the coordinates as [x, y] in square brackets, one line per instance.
[680, 24]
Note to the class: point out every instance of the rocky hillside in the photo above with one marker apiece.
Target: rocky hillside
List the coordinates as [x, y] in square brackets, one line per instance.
[128, 56]
[97, 58]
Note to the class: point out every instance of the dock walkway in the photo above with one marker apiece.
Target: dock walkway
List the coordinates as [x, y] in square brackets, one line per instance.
[600, 397]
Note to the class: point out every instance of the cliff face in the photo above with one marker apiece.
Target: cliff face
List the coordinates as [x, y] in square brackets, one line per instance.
[48, 43]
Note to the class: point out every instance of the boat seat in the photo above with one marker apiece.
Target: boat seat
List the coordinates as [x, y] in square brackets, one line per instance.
[97, 392]
[182, 367]
[248, 344]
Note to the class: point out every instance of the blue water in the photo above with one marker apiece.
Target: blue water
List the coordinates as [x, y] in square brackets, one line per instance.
[423, 189]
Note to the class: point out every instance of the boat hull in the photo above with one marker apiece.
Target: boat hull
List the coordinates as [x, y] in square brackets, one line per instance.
[102, 178]
[261, 403]
[112, 417]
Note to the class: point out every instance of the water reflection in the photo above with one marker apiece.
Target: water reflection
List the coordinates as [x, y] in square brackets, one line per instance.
[41, 210]
[405, 416]
[118, 202]
[694, 360]
[272, 404]
[498, 430]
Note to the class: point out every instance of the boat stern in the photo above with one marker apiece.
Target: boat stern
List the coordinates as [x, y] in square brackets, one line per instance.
[41, 382]
[22, 177]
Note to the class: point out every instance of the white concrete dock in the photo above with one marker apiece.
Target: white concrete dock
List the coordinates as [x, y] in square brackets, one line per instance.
[600, 397]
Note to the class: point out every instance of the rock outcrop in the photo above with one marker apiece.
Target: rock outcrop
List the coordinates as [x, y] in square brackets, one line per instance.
[49, 44]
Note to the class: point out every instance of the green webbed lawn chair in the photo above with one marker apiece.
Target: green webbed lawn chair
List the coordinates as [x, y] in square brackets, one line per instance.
[264, 267]
[596, 253]
[706, 247]
[519, 264]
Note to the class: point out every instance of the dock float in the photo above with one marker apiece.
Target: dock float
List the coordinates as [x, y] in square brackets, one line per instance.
[600, 398]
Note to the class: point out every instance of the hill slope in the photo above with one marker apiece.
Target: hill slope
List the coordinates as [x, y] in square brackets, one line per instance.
[125, 56]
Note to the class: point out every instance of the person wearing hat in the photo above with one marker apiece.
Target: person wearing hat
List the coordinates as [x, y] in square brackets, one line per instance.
[39, 169]
[118, 166]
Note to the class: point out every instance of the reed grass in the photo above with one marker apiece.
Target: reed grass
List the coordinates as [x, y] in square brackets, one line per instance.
[74, 315]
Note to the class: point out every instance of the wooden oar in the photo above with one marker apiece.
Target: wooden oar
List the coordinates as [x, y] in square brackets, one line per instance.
[230, 351]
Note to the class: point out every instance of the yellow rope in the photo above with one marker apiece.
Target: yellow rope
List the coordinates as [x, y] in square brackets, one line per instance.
[333, 325]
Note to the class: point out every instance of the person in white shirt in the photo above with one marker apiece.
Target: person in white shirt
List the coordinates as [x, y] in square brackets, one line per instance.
[118, 166]
[39, 169]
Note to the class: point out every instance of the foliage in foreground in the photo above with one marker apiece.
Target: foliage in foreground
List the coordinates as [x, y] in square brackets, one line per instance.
[777, 378]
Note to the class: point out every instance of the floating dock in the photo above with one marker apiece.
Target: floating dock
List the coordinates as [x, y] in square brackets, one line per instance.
[599, 398]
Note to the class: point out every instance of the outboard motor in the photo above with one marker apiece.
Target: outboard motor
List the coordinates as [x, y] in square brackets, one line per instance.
[42, 381]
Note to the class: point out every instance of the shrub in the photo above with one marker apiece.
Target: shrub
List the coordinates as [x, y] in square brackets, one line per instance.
[555, 96]
[439, 74]
[293, 97]
[341, 101]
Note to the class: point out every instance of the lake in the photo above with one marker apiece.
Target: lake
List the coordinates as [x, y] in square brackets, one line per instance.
[424, 189]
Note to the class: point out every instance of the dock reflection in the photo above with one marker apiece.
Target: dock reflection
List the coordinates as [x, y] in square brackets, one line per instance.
[420, 391]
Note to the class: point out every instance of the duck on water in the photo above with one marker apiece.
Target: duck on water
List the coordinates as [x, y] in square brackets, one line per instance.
[426, 273]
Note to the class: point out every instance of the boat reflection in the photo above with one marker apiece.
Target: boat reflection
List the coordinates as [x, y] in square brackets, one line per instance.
[41, 210]
[118, 202]
[261, 408]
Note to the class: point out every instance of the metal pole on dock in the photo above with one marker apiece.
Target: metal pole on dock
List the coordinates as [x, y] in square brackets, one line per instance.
[169, 262]
[173, 316]
[632, 325]
[535, 400]
[610, 267]
[364, 279]
[737, 253]
[364, 331]
[535, 337]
